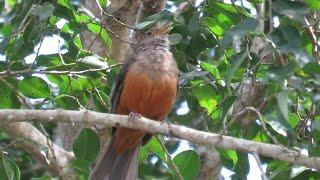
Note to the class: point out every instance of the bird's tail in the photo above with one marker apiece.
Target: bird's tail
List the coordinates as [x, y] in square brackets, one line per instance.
[112, 166]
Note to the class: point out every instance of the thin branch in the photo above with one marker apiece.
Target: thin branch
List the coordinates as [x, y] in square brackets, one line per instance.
[12, 143]
[270, 18]
[314, 39]
[53, 72]
[33, 145]
[191, 4]
[8, 116]
[263, 175]
[118, 37]
[182, 7]
[113, 18]
[98, 22]
[49, 143]
[171, 163]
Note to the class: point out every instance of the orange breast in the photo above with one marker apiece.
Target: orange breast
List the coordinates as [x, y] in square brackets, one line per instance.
[152, 97]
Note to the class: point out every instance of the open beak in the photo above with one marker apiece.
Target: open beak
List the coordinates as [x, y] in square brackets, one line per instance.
[165, 27]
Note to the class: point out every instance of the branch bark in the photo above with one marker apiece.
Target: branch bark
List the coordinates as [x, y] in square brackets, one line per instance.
[8, 116]
[56, 159]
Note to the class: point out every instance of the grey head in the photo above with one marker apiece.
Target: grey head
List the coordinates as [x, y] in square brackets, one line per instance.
[156, 34]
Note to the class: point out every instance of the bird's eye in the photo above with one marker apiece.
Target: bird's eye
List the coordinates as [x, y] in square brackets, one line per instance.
[149, 33]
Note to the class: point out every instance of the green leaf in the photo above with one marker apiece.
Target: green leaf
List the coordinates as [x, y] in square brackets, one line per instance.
[65, 3]
[34, 87]
[312, 68]
[186, 77]
[145, 25]
[31, 34]
[77, 42]
[67, 102]
[279, 169]
[276, 120]
[280, 73]
[151, 20]
[206, 97]
[2, 3]
[82, 167]
[229, 158]
[197, 44]
[8, 168]
[44, 11]
[188, 163]
[287, 37]
[83, 19]
[213, 70]
[292, 9]
[42, 178]
[163, 15]
[240, 30]
[242, 167]
[8, 98]
[175, 38]
[213, 26]
[18, 50]
[87, 145]
[314, 4]
[194, 24]
[236, 62]
[227, 104]
[6, 30]
[103, 2]
[316, 124]
[283, 104]
[97, 29]
[293, 120]
[155, 147]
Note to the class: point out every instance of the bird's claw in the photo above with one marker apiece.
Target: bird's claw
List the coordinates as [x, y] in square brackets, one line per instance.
[133, 115]
[169, 126]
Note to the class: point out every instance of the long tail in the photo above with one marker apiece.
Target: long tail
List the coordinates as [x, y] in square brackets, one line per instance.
[117, 167]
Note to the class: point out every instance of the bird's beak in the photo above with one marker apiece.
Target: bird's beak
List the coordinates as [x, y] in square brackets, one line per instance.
[165, 27]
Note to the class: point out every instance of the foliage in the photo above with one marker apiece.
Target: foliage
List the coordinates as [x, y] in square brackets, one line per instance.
[221, 74]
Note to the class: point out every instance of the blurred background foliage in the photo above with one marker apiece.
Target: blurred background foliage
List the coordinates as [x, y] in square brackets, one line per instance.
[246, 76]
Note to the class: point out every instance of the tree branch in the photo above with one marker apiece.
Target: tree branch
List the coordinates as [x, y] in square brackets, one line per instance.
[56, 159]
[8, 116]
[54, 72]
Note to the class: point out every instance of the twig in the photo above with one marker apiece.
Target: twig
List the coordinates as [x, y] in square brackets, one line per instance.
[120, 38]
[270, 18]
[49, 143]
[113, 18]
[12, 143]
[38, 51]
[59, 51]
[263, 175]
[14, 89]
[314, 40]
[191, 4]
[99, 96]
[99, 22]
[36, 139]
[53, 72]
[171, 163]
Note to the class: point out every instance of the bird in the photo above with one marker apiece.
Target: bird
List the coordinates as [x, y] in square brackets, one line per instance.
[147, 85]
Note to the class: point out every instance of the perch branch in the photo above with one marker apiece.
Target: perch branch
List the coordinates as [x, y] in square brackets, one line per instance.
[8, 116]
[56, 163]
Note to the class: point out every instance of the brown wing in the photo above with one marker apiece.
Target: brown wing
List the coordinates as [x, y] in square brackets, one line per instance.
[118, 86]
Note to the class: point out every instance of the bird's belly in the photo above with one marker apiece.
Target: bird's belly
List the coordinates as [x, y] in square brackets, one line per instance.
[152, 97]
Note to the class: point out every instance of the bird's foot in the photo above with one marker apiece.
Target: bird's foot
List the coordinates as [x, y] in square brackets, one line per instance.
[169, 126]
[133, 115]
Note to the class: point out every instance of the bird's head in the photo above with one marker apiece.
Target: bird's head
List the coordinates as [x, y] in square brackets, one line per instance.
[158, 32]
